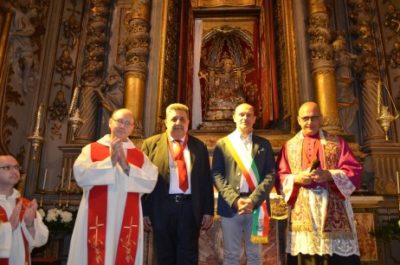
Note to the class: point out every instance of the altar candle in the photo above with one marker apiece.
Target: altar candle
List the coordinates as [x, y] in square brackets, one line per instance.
[69, 179]
[44, 179]
[398, 182]
[62, 178]
[39, 118]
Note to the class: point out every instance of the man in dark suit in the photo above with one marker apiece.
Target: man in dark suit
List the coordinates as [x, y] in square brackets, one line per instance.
[243, 168]
[182, 202]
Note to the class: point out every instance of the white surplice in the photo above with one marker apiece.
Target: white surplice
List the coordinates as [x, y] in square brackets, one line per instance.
[11, 242]
[88, 174]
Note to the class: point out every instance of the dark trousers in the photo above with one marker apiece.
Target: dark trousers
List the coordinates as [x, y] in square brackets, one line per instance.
[176, 233]
[303, 259]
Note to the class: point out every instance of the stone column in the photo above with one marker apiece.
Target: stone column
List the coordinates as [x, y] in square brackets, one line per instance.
[367, 68]
[323, 67]
[137, 52]
[383, 158]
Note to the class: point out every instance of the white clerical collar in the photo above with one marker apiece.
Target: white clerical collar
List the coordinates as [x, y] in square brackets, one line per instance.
[106, 140]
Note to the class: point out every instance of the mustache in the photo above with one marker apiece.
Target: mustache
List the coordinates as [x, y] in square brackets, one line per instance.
[178, 127]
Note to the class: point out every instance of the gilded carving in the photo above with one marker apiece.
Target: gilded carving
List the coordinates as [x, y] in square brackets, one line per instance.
[347, 102]
[226, 61]
[392, 18]
[366, 65]
[392, 21]
[323, 65]
[64, 64]
[320, 37]
[111, 91]
[93, 66]
[219, 3]
[171, 59]
[25, 20]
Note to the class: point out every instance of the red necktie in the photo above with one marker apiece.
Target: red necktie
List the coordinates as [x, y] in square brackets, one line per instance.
[180, 163]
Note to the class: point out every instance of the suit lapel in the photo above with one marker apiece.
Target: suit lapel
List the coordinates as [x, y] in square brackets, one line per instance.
[192, 152]
[255, 147]
[162, 157]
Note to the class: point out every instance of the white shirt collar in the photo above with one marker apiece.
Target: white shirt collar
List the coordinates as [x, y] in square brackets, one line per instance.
[238, 135]
[15, 194]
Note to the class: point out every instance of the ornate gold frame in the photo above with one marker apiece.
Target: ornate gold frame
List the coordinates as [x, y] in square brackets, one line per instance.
[288, 74]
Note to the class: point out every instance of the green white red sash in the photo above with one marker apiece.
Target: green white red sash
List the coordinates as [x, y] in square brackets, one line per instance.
[260, 224]
[97, 215]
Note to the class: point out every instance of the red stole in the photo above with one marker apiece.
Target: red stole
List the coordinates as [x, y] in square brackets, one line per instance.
[97, 215]
[4, 218]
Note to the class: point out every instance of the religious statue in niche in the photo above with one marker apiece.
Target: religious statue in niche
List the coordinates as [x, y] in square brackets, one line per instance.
[227, 76]
[225, 88]
[111, 91]
[347, 102]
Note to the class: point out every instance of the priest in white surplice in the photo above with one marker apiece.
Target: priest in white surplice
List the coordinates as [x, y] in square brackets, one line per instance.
[21, 226]
[113, 174]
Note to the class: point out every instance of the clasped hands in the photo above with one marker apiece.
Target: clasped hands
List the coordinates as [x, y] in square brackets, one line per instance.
[29, 214]
[317, 175]
[118, 154]
[244, 206]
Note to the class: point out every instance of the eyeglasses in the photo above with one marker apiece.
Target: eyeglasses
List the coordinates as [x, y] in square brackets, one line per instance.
[311, 118]
[122, 122]
[9, 167]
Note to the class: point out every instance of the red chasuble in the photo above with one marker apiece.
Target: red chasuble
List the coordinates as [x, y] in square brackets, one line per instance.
[3, 218]
[97, 215]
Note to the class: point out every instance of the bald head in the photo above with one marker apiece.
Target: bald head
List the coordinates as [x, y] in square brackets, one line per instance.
[244, 118]
[123, 112]
[309, 106]
[121, 124]
[310, 118]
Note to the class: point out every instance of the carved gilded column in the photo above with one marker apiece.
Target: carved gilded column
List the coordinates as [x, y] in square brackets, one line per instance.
[6, 17]
[137, 51]
[93, 67]
[367, 67]
[323, 67]
[383, 158]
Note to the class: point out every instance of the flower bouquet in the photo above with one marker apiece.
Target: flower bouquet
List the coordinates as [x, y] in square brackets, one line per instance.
[58, 220]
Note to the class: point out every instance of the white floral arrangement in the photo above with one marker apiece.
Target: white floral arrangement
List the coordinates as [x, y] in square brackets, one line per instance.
[58, 219]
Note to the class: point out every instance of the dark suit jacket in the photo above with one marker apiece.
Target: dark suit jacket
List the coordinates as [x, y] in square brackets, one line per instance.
[226, 174]
[156, 148]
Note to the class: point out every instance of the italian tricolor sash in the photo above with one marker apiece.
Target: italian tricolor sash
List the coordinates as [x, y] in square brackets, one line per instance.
[4, 218]
[260, 225]
[97, 215]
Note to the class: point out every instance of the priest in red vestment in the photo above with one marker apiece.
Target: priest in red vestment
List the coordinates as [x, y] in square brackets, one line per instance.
[318, 173]
[113, 174]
